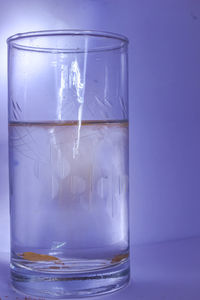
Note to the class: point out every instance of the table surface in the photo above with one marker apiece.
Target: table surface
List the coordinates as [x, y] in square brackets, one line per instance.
[161, 271]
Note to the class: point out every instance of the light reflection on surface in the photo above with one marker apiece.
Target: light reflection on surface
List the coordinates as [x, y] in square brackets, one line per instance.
[63, 86]
[80, 90]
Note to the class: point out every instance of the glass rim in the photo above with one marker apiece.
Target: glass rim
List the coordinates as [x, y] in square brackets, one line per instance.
[13, 40]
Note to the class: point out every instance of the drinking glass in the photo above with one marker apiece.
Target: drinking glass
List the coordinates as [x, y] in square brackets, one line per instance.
[68, 162]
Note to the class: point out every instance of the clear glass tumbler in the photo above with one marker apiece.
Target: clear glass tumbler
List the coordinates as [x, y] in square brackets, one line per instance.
[68, 162]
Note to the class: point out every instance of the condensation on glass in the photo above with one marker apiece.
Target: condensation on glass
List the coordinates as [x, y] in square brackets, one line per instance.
[68, 162]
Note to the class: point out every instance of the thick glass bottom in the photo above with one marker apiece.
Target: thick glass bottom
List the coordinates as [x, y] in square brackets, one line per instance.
[70, 285]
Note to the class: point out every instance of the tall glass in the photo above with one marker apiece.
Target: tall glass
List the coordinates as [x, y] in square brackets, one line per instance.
[68, 162]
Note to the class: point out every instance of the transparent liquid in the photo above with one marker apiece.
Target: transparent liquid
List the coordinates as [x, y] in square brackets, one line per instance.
[69, 195]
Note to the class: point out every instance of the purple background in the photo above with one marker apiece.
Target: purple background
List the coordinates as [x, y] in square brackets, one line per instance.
[164, 65]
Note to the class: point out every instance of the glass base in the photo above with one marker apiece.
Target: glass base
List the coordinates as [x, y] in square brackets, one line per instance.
[70, 285]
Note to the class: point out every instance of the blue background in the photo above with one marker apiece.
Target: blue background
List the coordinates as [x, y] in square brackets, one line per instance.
[164, 89]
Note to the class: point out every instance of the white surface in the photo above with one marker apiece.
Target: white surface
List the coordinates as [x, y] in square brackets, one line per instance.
[164, 271]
